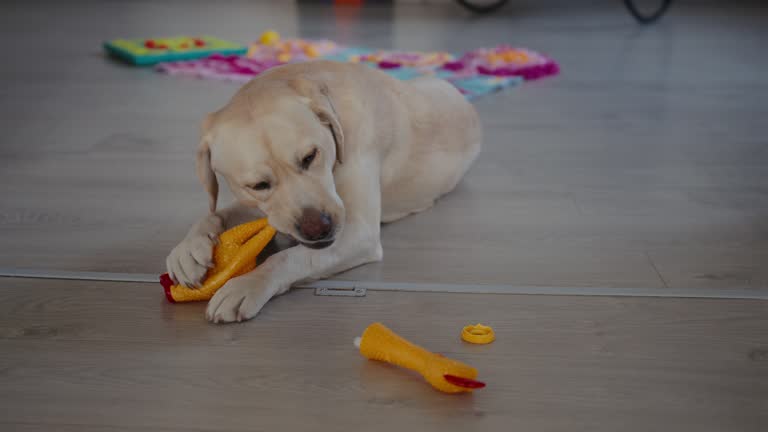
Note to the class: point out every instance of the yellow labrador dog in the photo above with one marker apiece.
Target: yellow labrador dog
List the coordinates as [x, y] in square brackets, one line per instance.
[327, 151]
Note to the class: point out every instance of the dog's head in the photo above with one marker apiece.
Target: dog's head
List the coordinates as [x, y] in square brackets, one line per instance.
[278, 154]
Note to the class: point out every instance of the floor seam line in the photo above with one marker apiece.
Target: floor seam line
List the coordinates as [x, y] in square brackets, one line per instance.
[724, 293]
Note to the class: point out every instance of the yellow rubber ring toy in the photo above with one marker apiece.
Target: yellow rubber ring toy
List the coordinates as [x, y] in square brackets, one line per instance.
[478, 334]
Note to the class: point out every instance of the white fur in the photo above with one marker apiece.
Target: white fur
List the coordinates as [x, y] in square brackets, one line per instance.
[387, 149]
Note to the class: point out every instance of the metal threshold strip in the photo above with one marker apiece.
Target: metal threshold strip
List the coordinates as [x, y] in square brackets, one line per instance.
[717, 293]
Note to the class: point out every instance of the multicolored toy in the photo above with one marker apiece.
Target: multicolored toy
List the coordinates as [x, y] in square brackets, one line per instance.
[447, 375]
[156, 50]
[474, 74]
[268, 52]
[503, 61]
[234, 255]
[385, 59]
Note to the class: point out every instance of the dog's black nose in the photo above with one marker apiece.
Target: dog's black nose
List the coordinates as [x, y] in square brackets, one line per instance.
[314, 225]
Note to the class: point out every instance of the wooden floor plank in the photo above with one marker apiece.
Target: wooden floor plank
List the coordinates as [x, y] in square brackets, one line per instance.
[102, 354]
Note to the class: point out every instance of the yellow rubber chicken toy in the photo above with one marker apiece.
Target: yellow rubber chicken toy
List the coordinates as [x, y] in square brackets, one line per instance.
[234, 255]
[447, 375]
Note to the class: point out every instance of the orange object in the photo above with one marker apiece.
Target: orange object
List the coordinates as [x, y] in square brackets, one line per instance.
[494, 58]
[235, 255]
[269, 37]
[478, 334]
[514, 57]
[311, 51]
[447, 375]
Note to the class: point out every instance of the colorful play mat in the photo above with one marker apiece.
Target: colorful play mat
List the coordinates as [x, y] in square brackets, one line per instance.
[475, 73]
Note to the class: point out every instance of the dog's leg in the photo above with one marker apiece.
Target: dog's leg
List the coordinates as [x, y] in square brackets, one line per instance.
[358, 243]
[243, 297]
[189, 260]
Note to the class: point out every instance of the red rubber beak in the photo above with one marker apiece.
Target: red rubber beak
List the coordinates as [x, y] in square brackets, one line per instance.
[167, 283]
[464, 382]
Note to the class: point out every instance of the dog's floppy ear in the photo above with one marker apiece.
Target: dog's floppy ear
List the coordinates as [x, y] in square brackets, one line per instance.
[203, 165]
[321, 103]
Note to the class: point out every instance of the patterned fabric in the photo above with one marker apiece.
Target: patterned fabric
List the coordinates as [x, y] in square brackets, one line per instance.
[474, 73]
[424, 63]
[503, 61]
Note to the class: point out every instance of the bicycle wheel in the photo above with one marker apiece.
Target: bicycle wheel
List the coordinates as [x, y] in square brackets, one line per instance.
[481, 6]
[647, 18]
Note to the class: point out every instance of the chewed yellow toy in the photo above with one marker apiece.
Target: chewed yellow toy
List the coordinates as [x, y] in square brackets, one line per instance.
[234, 255]
[447, 375]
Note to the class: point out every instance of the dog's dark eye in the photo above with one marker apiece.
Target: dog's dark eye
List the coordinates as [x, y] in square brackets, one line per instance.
[260, 186]
[308, 159]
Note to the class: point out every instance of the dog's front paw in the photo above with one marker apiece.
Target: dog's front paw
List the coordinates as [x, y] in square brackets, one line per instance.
[190, 260]
[240, 299]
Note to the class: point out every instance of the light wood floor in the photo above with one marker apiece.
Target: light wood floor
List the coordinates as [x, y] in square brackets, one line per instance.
[109, 356]
[644, 164]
